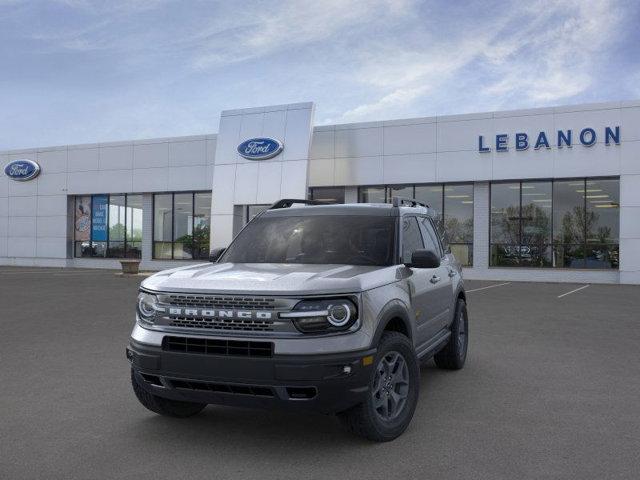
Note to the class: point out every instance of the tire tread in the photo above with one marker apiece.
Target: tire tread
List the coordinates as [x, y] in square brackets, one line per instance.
[359, 420]
[449, 358]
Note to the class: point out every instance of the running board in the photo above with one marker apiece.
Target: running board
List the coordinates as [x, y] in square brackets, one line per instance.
[432, 347]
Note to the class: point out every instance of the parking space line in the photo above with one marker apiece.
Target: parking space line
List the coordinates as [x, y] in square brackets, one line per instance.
[573, 291]
[488, 286]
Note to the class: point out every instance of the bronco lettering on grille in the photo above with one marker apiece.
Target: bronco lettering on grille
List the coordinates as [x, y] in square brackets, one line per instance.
[211, 313]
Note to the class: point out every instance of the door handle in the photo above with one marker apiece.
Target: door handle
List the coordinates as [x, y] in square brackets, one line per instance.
[452, 273]
[435, 279]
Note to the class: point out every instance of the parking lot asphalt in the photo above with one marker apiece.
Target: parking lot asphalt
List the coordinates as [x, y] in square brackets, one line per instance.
[551, 390]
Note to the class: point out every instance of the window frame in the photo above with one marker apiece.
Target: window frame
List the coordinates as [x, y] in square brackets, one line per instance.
[173, 210]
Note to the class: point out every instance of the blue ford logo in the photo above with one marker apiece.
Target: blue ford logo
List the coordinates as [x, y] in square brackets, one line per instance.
[22, 170]
[260, 148]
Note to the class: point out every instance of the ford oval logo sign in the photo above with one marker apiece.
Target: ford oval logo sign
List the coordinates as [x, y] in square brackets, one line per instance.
[22, 170]
[260, 148]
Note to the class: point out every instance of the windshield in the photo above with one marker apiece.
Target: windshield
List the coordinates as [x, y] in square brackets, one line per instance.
[349, 240]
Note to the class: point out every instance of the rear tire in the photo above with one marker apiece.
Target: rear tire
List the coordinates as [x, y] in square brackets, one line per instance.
[393, 392]
[454, 354]
[164, 406]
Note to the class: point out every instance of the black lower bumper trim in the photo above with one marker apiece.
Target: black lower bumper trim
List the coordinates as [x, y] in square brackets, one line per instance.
[324, 383]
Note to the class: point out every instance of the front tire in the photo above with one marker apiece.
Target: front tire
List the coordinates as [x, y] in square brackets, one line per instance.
[393, 392]
[454, 354]
[164, 406]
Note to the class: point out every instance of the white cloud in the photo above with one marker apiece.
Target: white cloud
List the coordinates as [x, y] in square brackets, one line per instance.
[554, 63]
[543, 52]
[288, 24]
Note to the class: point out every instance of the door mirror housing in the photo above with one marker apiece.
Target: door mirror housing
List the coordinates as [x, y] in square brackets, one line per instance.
[424, 259]
[215, 254]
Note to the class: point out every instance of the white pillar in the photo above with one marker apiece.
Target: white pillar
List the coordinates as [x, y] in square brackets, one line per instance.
[238, 181]
[629, 229]
[481, 213]
[147, 227]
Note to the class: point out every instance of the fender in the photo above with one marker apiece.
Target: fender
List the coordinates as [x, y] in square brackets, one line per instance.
[393, 309]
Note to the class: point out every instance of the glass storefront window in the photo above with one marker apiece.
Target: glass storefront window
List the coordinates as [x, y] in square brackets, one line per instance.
[134, 226]
[458, 221]
[432, 196]
[117, 219]
[82, 226]
[201, 224]
[182, 225]
[404, 191]
[327, 194]
[108, 226]
[535, 229]
[162, 225]
[451, 203]
[253, 210]
[555, 224]
[602, 198]
[372, 195]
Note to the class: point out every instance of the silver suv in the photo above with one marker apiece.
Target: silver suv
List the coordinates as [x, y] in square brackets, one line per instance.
[328, 308]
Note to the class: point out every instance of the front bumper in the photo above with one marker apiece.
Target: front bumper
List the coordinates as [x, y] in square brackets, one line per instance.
[325, 383]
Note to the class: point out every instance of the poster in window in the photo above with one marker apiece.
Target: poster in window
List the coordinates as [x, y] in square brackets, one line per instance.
[99, 218]
[83, 219]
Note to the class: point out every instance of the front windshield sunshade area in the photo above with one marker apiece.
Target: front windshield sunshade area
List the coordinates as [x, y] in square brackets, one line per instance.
[316, 239]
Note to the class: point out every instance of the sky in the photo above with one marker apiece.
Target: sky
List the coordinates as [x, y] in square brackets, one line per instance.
[80, 71]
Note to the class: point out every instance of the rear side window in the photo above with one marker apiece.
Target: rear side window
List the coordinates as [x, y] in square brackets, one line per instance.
[411, 238]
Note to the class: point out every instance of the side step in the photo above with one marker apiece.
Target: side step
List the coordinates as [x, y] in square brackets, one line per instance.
[432, 347]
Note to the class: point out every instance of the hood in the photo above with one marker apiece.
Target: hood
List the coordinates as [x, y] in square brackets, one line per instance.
[271, 278]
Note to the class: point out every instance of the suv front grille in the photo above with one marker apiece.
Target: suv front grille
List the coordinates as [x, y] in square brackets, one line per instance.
[222, 324]
[221, 314]
[217, 301]
[208, 346]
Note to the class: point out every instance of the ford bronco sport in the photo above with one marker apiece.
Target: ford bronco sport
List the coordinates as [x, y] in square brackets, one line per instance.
[312, 307]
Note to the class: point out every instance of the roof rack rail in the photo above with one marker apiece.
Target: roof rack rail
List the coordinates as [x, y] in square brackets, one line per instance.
[411, 202]
[287, 202]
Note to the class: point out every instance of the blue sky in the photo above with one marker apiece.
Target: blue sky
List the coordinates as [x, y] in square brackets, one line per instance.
[77, 71]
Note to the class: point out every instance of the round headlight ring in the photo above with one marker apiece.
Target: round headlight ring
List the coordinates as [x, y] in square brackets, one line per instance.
[146, 305]
[339, 315]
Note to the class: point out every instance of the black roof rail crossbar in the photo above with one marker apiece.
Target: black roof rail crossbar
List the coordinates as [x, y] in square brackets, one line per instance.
[412, 202]
[287, 202]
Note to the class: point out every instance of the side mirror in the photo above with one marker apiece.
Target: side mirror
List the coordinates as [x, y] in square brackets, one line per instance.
[215, 254]
[424, 259]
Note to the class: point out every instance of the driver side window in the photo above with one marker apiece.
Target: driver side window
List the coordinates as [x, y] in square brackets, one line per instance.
[411, 238]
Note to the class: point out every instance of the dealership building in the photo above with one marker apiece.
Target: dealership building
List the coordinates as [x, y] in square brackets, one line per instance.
[548, 194]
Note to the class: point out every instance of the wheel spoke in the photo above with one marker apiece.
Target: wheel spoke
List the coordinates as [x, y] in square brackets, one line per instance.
[399, 401]
[390, 387]
[398, 364]
[393, 405]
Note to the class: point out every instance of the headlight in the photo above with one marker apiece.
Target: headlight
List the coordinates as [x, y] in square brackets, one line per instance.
[147, 306]
[323, 316]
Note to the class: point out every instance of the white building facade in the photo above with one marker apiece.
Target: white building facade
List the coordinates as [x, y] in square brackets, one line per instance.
[549, 194]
